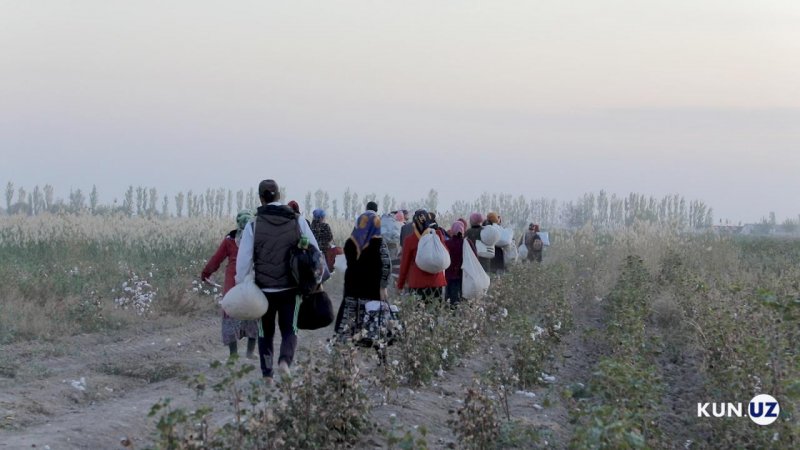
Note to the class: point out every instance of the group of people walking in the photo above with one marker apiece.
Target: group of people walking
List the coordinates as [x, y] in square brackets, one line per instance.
[380, 249]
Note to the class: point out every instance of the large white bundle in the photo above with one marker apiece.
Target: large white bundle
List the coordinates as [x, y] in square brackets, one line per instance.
[523, 251]
[484, 251]
[506, 236]
[389, 230]
[432, 255]
[474, 281]
[510, 254]
[245, 301]
[490, 234]
[545, 238]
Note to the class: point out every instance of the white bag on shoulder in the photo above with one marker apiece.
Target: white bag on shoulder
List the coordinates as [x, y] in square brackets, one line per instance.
[432, 255]
[490, 234]
[245, 301]
[506, 236]
[474, 280]
[484, 251]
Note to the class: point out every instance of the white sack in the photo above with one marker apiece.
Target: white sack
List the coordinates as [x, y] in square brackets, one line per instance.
[245, 301]
[389, 230]
[510, 254]
[432, 255]
[474, 281]
[545, 238]
[506, 236]
[523, 251]
[484, 251]
[490, 234]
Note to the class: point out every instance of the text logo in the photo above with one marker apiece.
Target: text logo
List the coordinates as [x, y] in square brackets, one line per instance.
[763, 409]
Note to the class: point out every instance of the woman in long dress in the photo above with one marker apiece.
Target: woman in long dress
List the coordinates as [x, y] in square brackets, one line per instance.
[233, 329]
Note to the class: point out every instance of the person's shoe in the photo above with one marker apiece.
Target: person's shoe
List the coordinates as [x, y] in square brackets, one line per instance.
[267, 380]
[283, 369]
[251, 356]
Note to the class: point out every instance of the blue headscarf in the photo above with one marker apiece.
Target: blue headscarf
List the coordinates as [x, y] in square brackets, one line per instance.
[318, 214]
[367, 227]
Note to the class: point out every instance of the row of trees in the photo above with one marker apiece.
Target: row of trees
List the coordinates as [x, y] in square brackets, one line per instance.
[601, 209]
[616, 212]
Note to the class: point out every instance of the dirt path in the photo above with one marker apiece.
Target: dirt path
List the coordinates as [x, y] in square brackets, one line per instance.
[88, 392]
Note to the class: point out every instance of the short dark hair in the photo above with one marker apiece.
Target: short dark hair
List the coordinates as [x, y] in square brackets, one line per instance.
[269, 191]
[372, 206]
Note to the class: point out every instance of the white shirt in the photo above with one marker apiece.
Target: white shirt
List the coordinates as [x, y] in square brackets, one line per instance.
[244, 259]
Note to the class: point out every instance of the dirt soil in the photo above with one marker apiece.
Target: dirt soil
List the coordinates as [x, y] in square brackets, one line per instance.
[92, 391]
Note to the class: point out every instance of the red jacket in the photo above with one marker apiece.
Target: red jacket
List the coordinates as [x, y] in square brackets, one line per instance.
[227, 249]
[410, 272]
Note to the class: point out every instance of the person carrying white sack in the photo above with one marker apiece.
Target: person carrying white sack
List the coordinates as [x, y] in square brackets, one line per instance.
[473, 234]
[265, 249]
[454, 274]
[534, 243]
[232, 329]
[426, 286]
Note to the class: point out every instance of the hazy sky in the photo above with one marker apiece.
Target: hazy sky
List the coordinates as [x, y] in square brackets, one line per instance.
[541, 98]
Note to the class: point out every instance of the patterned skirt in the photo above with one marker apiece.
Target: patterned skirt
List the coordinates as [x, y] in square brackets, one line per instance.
[235, 329]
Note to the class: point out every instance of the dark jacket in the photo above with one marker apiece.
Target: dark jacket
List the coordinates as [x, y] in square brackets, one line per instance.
[322, 232]
[456, 248]
[364, 275]
[474, 233]
[276, 232]
[406, 231]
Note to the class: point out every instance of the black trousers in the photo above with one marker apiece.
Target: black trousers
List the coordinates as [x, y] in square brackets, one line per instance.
[453, 291]
[282, 305]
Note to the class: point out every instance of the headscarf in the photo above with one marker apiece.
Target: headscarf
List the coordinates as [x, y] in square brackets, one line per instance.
[466, 225]
[492, 218]
[295, 207]
[457, 228]
[475, 219]
[243, 217]
[422, 220]
[367, 227]
[318, 214]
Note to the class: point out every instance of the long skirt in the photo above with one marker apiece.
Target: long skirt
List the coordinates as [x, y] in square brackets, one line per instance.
[235, 329]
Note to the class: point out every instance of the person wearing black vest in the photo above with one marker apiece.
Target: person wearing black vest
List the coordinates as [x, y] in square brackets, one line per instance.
[265, 247]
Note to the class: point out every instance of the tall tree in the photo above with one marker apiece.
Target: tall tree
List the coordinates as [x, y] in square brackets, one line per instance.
[432, 201]
[239, 200]
[9, 195]
[179, 204]
[48, 196]
[307, 204]
[346, 200]
[93, 199]
[165, 206]
[151, 210]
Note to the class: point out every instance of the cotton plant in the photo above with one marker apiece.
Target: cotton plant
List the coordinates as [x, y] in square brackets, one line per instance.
[136, 294]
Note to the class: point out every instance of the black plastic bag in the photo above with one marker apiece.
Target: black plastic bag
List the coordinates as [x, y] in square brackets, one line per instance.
[316, 311]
